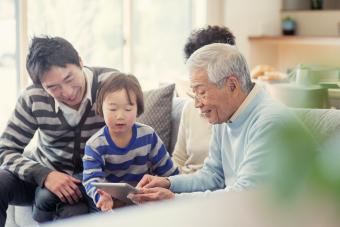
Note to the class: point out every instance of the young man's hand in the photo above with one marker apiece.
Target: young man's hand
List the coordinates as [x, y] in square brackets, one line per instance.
[149, 181]
[105, 202]
[64, 186]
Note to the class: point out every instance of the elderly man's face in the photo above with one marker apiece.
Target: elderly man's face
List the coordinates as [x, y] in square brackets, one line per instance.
[217, 104]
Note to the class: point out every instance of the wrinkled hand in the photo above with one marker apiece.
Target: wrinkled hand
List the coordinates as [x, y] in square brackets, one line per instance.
[64, 186]
[151, 194]
[149, 181]
[105, 202]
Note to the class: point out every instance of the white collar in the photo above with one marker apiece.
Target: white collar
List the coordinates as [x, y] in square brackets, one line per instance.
[256, 89]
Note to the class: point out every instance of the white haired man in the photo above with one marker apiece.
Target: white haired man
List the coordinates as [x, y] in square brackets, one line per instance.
[244, 118]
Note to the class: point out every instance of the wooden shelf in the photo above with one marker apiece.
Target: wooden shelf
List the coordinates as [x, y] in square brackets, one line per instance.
[310, 11]
[315, 22]
[317, 39]
[284, 52]
[301, 40]
[305, 5]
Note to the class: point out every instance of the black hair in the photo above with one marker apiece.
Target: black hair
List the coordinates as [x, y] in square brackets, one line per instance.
[116, 82]
[45, 52]
[208, 35]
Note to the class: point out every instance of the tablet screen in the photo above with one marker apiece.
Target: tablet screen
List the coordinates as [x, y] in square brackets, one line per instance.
[117, 190]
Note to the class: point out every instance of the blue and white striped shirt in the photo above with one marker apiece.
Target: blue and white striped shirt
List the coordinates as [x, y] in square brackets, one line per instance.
[105, 162]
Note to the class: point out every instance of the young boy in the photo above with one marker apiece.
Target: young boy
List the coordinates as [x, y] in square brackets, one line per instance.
[123, 150]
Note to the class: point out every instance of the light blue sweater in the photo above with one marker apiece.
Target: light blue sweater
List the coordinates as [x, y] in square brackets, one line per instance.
[239, 147]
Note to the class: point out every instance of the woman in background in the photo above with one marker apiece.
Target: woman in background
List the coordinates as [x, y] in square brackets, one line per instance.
[192, 145]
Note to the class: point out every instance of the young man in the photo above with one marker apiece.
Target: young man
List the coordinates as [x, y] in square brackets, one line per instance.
[59, 108]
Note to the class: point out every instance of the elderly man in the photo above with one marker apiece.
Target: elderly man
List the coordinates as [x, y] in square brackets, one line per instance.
[244, 117]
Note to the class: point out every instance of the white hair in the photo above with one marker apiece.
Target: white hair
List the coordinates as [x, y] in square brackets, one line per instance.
[221, 60]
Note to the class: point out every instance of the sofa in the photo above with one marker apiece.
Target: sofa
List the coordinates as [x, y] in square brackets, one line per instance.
[321, 122]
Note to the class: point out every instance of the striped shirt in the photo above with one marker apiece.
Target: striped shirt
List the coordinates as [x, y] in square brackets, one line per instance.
[59, 146]
[105, 162]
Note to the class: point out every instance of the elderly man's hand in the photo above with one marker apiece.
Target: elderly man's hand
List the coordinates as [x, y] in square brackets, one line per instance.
[149, 181]
[63, 186]
[151, 194]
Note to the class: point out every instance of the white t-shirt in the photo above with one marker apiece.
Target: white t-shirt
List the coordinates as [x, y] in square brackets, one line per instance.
[192, 145]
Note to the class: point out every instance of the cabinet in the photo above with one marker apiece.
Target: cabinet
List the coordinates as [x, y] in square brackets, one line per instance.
[291, 5]
[324, 21]
[315, 22]
[320, 22]
[284, 52]
[317, 40]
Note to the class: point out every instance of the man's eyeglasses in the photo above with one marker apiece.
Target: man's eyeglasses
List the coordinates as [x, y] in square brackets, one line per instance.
[198, 95]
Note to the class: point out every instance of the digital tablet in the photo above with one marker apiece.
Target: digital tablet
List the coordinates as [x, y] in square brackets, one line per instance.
[117, 190]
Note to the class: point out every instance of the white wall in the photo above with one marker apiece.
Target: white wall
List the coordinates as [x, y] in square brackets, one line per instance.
[252, 18]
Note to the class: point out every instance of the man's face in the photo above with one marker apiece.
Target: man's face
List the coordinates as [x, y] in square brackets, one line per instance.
[217, 104]
[65, 84]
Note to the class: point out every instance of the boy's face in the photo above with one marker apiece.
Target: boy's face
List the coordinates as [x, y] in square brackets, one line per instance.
[65, 84]
[119, 113]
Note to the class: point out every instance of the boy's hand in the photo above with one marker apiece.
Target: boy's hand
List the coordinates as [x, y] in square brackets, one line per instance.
[105, 202]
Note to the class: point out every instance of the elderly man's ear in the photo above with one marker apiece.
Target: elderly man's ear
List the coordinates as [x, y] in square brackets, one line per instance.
[232, 83]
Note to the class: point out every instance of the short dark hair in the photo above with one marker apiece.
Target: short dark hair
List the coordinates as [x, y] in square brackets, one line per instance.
[45, 52]
[116, 82]
[204, 36]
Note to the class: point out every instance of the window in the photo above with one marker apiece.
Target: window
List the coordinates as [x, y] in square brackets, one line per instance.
[8, 68]
[97, 29]
[159, 32]
[94, 27]
[145, 37]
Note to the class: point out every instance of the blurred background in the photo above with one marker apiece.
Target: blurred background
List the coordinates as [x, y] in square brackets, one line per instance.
[299, 39]
[146, 37]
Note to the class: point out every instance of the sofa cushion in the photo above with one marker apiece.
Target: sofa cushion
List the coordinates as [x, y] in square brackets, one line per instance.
[10, 222]
[23, 216]
[157, 111]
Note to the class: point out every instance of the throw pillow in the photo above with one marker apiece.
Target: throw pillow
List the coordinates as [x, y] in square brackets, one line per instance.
[157, 111]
